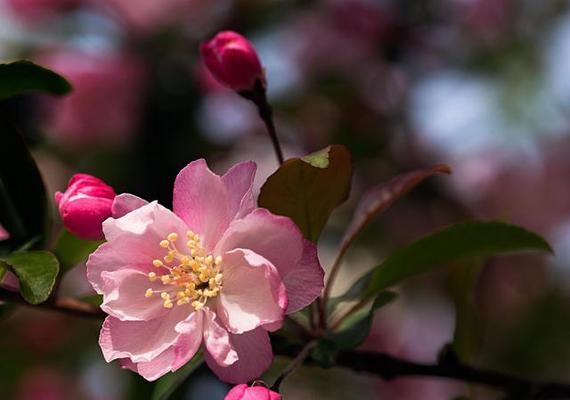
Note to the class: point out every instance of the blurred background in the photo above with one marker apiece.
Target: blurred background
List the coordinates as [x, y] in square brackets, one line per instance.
[479, 84]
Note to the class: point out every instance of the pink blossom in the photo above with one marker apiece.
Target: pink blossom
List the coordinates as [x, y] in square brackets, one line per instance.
[35, 10]
[4, 235]
[147, 16]
[243, 392]
[232, 60]
[85, 205]
[103, 108]
[217, 272]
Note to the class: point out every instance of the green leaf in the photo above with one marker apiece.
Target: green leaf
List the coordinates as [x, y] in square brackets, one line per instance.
[466, 337]
[36, 271]
[24, 76]
[94, 299]
[457, 242]
[23, 200]
[379, 198]
[308, 189]
[168, 384]
[355, 329]
[71, 250]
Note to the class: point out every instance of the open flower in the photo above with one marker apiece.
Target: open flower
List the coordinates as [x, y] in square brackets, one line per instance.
[217, 271]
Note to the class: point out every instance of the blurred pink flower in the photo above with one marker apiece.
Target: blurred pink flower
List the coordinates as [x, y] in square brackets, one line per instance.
[44, 384]
[148, 16]
[35, 10]
[212, 271]
[85, 205]
[4, 235]
[103, 108]
[244, 392]
[232, 60]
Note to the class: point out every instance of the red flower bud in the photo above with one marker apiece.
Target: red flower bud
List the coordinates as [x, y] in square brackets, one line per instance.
[4, 235]
[85, 205]
[243, 392]
[232, 60]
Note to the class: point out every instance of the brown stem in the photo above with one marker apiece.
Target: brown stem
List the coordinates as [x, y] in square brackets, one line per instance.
[64, 305]
[329, 284]
[258, 95]
[389, 367]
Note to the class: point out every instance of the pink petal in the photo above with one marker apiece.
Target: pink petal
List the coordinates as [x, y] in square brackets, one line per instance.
[255, 357]
[305, 282]
[190, 339]
[268, 235]
[125, 203]
[217, 341]
[152, 370]
[133, 241]
[239, 184]
[124, 296]
[253, 294]
[140, 340]
[208, 202]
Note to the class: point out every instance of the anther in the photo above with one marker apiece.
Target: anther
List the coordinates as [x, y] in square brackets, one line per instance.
[152, 276]
[157, 263]
[173, 237]
[164, 244]
[149, 293]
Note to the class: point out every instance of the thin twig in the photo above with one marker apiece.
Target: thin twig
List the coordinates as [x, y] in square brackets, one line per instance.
[296, 363]
[258, 95]
[329, 284]
[63, 305]
[352, 310]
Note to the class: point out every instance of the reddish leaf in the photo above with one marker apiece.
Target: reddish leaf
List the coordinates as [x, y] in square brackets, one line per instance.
[380, 198]
[308, 189]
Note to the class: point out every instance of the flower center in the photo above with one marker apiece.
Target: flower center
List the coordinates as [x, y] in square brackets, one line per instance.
[190, 277]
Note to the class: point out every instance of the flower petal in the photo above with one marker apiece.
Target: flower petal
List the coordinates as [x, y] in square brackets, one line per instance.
[255, 357]
[191, 333]
[124, 296]
[267, 235]
[252, 294]
[133, 242]
[208, 202]
[305, 282]
[154, 369]
[140, 340]
[125, 203]
[239, 184]
[217, 341]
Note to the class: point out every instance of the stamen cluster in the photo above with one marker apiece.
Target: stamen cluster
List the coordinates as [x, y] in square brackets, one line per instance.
[190, 277]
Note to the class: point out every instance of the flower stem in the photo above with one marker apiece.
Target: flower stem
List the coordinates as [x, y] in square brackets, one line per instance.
[296, 363]
[258, 95]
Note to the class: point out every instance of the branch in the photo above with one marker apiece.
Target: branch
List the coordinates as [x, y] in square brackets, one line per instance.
[67, 306]
[389, 367]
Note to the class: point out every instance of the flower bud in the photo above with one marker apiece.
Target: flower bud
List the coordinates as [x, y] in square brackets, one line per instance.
[243, 392]
[232, 60]
[4, 235]
[85, 205]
